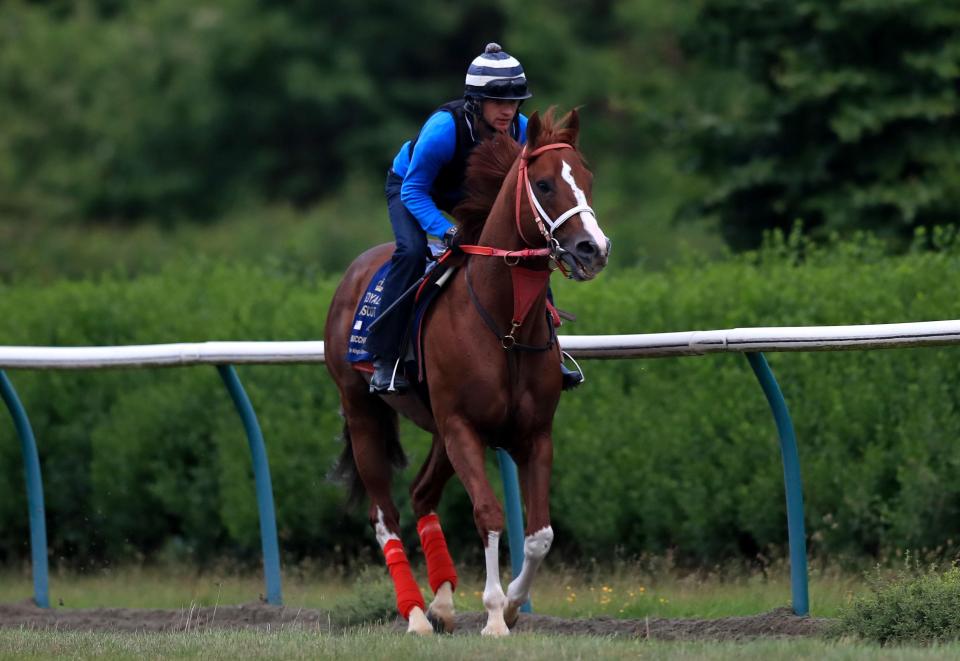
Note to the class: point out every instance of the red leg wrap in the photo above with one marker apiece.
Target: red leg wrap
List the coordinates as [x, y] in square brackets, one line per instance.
[439, 563]
[408, 592]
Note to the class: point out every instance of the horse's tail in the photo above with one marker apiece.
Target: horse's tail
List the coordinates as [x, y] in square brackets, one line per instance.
[345, 470]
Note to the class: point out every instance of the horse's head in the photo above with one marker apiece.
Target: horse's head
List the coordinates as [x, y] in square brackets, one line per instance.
[559, 186]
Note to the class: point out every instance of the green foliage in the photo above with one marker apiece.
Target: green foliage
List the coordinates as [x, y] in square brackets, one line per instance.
[847, 118]
[908, 609]
[673, 455]
[136, 461]
[686, 450]
[371, 600]
[750, 114]
[172, 109]
[322, 239]
[171, 112]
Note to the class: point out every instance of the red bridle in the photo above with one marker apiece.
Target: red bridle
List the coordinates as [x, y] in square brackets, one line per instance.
[527, 284]
[540, 216]
[523, 181]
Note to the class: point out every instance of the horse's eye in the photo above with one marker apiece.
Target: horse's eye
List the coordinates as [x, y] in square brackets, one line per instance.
[544, 186]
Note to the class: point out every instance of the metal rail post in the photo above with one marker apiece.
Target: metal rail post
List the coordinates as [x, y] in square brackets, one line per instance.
[791, 477]
[261, 476]
[511, 496]
[31, 465]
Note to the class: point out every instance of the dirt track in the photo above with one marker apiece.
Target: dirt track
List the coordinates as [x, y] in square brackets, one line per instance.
[777, 623]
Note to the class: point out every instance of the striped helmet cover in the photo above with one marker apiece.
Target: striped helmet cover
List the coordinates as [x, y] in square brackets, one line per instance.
[495, 74]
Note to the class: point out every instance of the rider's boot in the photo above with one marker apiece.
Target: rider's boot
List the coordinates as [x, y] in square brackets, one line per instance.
[384, 376]
[571, 378]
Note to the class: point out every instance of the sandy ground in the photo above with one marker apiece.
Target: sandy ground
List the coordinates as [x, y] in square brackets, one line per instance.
[777, 623]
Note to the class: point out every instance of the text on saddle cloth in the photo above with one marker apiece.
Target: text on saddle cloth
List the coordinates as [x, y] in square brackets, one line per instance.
[369, 308]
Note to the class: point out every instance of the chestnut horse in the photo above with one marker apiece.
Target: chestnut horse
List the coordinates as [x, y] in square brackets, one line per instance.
[491, 361]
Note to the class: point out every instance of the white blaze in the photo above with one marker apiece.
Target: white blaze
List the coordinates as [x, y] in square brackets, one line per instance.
[589, 221]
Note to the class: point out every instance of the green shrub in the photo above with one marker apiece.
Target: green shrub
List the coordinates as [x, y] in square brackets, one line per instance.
[922, 609]
[676, 455]
[370, 600]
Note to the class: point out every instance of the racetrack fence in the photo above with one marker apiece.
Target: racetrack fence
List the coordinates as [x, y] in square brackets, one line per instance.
[752, 342]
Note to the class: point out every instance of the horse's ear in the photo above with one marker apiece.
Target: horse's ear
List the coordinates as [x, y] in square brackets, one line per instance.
[533, 129]
[573, 125]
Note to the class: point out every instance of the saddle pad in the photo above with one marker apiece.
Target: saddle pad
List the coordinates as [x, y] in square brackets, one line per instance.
[367, 311]
[369, 307]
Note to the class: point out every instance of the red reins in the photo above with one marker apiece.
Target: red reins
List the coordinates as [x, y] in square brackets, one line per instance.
[488, 251]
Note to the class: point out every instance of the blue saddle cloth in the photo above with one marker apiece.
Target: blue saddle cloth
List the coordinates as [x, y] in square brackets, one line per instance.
[366, 312]
[369, 307]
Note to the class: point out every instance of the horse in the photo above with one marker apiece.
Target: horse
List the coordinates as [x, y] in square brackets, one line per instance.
[526, 205]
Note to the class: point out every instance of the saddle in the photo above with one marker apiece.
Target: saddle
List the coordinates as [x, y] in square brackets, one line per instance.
[439, 268]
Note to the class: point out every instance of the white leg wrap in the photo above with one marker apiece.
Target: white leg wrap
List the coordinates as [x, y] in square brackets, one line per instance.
[494, 600]
[535, 549]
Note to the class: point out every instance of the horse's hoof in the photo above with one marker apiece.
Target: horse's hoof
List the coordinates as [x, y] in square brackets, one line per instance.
[443, 622]
[496, 630]
[440, 612]
[418, 623]
[495, 625]
[511, 614]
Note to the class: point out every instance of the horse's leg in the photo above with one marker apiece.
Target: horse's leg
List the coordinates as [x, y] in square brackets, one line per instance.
[466, 451]
[368, 433]
[425, 495]
[534, 471]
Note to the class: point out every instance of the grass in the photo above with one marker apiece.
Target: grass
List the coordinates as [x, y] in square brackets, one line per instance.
[377, 644]
[630, 592]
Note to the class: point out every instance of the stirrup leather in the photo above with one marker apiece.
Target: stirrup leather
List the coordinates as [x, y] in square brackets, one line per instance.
[398, 383]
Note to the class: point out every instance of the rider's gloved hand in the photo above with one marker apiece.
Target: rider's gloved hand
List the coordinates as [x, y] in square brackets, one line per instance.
[451, 239]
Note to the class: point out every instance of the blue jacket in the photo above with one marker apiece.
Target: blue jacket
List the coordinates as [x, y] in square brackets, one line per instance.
[435, 147]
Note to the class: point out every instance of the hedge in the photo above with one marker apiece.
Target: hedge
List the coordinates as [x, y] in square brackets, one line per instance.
[652, 456]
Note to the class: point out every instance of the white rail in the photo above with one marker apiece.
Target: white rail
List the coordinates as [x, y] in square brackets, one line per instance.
[650, 345]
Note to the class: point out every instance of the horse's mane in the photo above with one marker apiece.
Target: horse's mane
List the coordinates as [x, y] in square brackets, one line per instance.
[488, 166]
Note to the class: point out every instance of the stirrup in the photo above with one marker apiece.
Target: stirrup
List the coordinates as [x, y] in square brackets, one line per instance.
[398, 383]
[571, 378]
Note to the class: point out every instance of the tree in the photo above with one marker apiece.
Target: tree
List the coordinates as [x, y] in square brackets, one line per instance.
[115, 110]
[847, 115]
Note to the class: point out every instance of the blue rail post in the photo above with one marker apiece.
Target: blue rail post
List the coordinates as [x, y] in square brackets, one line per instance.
[791, 477]
[511, 496]
[261, 476]
[31, 464]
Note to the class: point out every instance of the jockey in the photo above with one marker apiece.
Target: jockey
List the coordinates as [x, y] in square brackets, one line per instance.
[427, 177]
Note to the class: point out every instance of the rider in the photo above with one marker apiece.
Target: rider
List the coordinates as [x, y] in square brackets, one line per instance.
[427, 177]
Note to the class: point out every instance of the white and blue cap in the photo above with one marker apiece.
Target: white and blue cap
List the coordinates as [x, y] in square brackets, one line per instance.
[495, 74]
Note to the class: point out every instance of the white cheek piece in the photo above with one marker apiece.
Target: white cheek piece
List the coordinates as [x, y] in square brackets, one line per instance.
[547, 225]
[542, 217]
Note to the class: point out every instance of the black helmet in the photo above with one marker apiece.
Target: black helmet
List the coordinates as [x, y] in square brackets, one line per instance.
[495, 75]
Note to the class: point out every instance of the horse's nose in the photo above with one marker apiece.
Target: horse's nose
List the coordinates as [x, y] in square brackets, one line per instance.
[587, 250]
[608, 246]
